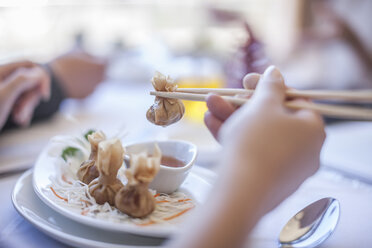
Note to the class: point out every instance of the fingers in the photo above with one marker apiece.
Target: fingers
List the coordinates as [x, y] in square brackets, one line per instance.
[219, 107]
[312, 119]
[20, 81]
[250, 81]
[44, 81]
[213, 124]
[24, 107]
[271, 87]
[7, 69]
[22, 91]
[24, 79]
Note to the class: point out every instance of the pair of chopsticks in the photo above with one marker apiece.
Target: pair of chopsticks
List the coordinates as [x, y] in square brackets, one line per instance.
[234, 96]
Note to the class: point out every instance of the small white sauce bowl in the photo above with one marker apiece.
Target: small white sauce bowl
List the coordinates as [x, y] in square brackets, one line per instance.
[168, 178]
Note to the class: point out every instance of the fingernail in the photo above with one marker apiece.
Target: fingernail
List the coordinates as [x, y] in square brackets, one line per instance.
[273, 73]
[250, 80]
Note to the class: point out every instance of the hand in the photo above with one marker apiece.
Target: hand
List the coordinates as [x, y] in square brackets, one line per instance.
[79, 73]
[268, 151]
[279, 146]
[220, 110]
[22, 86]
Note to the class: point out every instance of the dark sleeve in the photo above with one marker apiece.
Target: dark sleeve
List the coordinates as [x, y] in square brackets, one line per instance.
[45, 109]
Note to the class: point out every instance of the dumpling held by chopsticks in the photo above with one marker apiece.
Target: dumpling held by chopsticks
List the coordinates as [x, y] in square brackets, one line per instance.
[165, 111]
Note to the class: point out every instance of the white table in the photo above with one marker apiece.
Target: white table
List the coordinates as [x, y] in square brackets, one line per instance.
[114, 106]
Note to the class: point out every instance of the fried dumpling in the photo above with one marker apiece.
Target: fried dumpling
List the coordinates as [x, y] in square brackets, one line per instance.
[88, 170]
[109, 160]
[134, 199]
[165, 111]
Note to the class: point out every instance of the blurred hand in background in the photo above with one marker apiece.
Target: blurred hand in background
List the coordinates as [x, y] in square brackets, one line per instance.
[78, 73]
[22, 86]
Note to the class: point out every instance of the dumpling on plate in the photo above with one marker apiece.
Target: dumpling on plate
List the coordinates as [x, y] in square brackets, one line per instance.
[134, 199]
[109, 160]
[88, 170]
[165, 111]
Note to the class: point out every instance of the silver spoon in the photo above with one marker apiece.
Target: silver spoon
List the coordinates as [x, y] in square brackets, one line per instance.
[312, 225]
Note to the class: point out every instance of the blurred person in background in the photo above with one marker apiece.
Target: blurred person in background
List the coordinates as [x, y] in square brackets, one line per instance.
[249, 58]
[334, 45]
[332, 51]
[30, 92]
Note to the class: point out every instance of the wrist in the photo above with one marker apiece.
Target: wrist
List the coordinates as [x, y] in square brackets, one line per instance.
[252, 183]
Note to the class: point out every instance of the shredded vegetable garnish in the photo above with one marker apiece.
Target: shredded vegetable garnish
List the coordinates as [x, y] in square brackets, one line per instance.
[166, 218]
[84, 212]
[69, 152]
[177, 214]
[86, 202]
[146, 224]
[75, 194]
[89, 132]
[64, 179]
[60, 197]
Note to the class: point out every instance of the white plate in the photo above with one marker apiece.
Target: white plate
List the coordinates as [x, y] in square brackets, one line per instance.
[196, 186]
[65, 230]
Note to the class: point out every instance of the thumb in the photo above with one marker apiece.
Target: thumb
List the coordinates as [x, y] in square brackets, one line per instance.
[271, 87]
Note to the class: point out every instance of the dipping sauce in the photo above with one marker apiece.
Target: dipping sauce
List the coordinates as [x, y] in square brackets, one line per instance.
[171, 162]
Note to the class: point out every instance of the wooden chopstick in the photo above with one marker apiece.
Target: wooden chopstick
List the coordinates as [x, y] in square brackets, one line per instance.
[323, 109]
[196, 97]
[335, 111]
[344, 95]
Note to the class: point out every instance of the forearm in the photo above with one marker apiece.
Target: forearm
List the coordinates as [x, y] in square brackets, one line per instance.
[232, 210]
